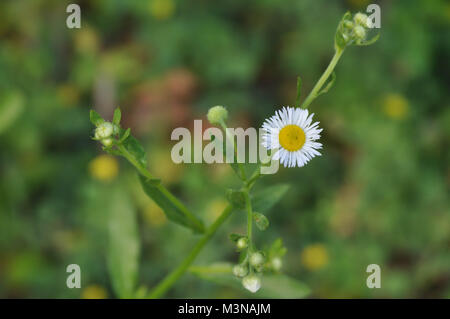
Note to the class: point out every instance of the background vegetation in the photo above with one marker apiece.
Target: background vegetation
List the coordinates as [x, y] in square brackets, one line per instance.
[379, 194]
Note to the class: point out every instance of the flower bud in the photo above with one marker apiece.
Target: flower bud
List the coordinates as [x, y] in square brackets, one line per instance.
[276, 263]
[256, 259]
[360, 32]
[349, 24]
[107, 141]
[104, 130]
[240, 271]
[217, 114]
[242, 243]
[361, 19]
[251, 283]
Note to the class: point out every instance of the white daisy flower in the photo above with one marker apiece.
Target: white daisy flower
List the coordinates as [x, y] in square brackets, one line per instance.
[292, 135]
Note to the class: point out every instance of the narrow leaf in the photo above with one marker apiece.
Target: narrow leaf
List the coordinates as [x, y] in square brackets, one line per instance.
[125, 135]
[95, 118]
[371, 41]
[265, 199]
[123, 247]
[182, 217]
[135, 148]
[12, 105]
[299, 88]
[329, 85]
[117, 116]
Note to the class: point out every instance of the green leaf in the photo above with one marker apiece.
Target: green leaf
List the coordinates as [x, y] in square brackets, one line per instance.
[124, 135]
[135, 148]
[173, 211]
[11, 107]
[339, 41]
[272, 286]
[236, 198]
[117, 116]
[369, 42]
[299, 87]
[265, 199]
[261, 221]
[329, 85]
[123, 246]
[95, 118]
[277, 249]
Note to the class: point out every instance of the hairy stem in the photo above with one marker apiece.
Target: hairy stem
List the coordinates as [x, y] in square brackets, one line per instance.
[248, 207]
[171, 278]
[314, 93]
[231, 140]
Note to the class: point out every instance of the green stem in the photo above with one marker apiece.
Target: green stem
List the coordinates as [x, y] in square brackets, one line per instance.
[241, 167]
[141, 169]
[256, 174]
[144, 172]
[313, 94]
[171, 278]
[248, 207]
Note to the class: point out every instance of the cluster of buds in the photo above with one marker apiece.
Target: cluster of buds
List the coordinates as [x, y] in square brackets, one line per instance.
[353, 31]
[108, 132]
[105, 133]
[249, 270]
[256, 263]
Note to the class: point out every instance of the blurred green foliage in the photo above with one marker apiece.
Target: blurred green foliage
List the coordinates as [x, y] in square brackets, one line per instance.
[379, 194]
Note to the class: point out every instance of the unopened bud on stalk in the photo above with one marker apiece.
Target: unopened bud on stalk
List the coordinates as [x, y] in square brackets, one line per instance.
[349, 24]
[252, 283]
[242, 243]
[276, 263]
[360, 32]
[240, 271]
[256, 259]
[104, 130]
[361, 19]
[217, 114]
[107, 141]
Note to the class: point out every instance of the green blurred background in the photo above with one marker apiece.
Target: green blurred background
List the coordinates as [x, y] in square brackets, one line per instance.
[379, 194]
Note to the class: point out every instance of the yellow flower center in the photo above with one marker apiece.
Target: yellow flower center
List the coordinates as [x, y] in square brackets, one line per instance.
[292, 137]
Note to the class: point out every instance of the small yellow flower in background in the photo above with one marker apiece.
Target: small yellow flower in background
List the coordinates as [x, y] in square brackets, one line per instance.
[94, 292]
[104, 168]
[161, 161]
[395, 106]
[314, 257]
[86, 40]
[446, 12]
[214, 208]
[162, 9]
[154, 215]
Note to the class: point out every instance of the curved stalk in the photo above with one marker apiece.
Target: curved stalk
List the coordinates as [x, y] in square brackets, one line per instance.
[315, 91]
